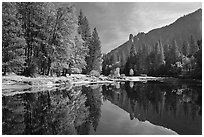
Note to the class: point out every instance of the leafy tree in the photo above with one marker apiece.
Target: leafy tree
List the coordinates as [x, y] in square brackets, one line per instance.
[79, 53]
[46, 38]
[63, 37]
[131, 73]
[34, 17]
[13, 43]
[49, 33]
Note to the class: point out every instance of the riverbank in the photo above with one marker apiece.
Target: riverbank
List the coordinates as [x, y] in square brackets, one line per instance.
[12, 84]
[17, 83]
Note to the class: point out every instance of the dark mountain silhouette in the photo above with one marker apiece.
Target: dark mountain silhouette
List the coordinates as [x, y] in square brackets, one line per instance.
[181, 30]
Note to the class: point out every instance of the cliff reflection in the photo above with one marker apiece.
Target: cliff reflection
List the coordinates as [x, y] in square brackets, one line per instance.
[177, 107]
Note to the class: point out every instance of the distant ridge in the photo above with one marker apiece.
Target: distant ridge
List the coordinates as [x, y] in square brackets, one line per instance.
[182, 29]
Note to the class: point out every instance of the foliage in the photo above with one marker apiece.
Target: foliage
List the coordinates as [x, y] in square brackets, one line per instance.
[44, 38]
[75, 71]
[94, 73]
[79, 53]
[94, 60]
[131, 73]
[162, 60]
[13, 42]
[193, 46]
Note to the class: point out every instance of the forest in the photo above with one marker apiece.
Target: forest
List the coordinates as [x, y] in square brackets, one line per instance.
[171, 59]
[44, 38]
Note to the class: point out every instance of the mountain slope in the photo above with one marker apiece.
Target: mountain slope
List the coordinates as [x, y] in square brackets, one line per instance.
[181, 30]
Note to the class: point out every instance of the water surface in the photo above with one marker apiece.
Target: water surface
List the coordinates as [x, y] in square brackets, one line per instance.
[122, 108]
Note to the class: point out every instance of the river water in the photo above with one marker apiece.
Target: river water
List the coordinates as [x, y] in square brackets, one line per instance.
[116, 109]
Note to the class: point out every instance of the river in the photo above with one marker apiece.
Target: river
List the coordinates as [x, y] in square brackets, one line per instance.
[133, 108]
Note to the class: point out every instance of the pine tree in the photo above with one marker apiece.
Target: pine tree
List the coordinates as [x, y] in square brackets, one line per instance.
[185, 48]
[95, 56]
[84, 31]
[80, 22]
[193, 46]
[12, 41]
[143, 56]
[174, 52]
[161, 54]
[156, 58]
[167, 55]
[131, 61]
[133, 51]
[79, 53]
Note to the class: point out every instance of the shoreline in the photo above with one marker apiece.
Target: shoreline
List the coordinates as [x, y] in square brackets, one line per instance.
[16, 83]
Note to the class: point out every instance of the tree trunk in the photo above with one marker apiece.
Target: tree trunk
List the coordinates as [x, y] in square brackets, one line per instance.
[5, 68]
[48, 66]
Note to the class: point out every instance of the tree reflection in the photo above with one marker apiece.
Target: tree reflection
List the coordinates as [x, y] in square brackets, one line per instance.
[168, 105]
[61, 111]
[94, 102]
[78, 111]
[49, 112]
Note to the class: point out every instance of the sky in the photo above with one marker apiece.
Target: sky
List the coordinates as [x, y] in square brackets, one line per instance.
[114, 21]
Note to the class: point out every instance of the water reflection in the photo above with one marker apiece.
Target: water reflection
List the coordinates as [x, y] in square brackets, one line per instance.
[51, 112]
[79, 110]
[177, 107]
[94, 102]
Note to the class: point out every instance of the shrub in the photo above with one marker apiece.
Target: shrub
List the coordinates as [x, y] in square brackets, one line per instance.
[122, 75]
[75, 71]
[131, 72]
[95, 73]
